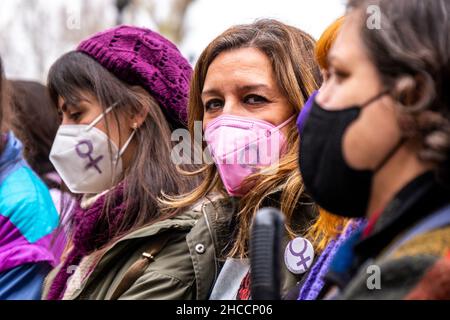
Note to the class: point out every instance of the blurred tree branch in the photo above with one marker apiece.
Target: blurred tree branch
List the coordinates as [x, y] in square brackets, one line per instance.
[121, 5]
[171, 25]
[33, 34]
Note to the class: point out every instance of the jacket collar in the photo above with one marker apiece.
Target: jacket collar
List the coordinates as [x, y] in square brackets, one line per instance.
[415, 201]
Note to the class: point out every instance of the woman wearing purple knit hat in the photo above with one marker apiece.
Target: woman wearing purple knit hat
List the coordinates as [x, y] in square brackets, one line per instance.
[120, 94]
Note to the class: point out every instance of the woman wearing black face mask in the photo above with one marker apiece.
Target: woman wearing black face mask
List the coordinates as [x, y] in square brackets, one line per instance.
[380, 131]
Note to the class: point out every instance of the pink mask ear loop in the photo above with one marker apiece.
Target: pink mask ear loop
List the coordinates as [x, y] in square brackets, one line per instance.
[282, 125]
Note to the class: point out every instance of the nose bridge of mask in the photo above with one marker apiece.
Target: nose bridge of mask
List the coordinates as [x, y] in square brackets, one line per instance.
[224, 149]
[227, 126]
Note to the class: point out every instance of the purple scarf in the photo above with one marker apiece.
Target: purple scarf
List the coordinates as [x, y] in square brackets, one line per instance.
[90, 233]
[315, 279]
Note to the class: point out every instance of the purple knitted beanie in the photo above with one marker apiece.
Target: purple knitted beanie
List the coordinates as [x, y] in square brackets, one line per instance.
[142, 57]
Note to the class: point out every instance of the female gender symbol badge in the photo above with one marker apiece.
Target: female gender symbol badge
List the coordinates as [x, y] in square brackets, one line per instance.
[299, 255]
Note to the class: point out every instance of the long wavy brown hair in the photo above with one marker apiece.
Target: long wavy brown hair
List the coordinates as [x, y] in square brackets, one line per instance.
[291, 52]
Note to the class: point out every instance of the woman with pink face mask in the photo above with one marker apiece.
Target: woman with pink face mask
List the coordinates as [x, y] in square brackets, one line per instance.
[248, 87]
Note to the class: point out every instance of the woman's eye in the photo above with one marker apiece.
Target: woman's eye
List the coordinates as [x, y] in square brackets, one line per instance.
[338, 75]
[341, 75]
[75, 115]
[213, 104]
[255, 99]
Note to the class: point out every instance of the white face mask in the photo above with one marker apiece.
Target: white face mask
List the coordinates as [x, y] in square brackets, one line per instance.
[81, 156]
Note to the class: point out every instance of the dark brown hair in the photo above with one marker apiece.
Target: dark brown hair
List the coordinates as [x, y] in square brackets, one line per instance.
[151, 171]
[411, 51]
[4, 105]
[34, 120]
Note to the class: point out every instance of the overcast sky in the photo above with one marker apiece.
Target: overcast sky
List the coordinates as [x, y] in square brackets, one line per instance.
[208, 18]
[205, 20]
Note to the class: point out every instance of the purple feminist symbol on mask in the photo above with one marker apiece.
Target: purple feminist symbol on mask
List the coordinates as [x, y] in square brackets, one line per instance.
[88, 154]
[303, 260]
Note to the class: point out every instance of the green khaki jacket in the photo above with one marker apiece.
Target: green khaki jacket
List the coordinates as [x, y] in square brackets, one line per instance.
[186, 267]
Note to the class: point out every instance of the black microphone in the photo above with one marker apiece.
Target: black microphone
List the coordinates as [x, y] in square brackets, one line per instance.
[265, 254]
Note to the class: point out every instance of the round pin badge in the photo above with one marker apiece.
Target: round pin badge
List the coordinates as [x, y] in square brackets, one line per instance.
[299, 255]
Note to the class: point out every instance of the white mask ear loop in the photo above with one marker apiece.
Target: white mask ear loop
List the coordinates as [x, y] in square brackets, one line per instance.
[100, 117]
[124, 147]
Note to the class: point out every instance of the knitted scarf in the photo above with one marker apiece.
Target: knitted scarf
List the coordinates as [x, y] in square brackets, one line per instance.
[315, 278]
[91, 233]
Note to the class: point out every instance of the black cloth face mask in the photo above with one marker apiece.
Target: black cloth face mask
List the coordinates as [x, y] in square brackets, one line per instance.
[331, 182]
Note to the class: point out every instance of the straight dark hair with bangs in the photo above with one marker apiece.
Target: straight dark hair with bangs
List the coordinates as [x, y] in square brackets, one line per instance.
[151, 172]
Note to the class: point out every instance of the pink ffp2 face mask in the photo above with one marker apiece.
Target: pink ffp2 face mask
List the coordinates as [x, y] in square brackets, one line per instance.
[242, 146]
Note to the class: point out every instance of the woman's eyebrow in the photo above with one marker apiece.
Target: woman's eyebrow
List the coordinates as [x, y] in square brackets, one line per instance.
[244, 88]
[210, 92]
[72, 105]
[84, 99]
[256, 88]
[251, 87]
[333, 59]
